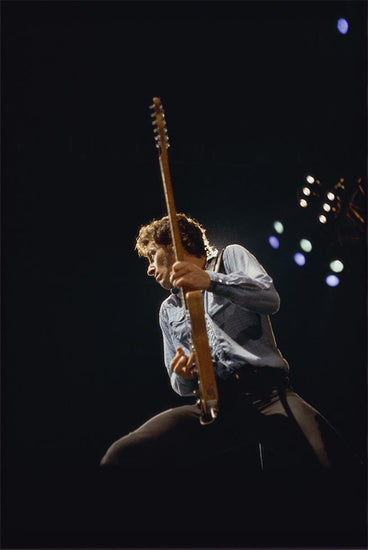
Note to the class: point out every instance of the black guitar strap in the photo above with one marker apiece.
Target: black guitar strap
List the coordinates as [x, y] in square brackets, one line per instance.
[219, 265]
[216, 264]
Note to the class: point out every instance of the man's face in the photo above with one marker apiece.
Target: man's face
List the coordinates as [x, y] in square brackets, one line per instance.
[161, 259]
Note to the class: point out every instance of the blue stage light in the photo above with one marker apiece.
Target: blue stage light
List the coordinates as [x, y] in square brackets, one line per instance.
[299, 258]
[332, 280]
[342, 25]
[274, 242]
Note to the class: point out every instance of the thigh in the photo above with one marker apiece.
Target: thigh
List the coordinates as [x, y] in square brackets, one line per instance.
[175, 438]
[168, 437]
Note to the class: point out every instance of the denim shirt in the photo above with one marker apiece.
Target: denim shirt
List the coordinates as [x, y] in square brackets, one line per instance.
[237, 320]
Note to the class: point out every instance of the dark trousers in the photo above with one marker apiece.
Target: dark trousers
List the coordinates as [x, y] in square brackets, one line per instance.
[258, 475]
[270, 422]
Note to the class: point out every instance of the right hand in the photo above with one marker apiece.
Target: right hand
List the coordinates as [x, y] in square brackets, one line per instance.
[188, 275]
[183, 365]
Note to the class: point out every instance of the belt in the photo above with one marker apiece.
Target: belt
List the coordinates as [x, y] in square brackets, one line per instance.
[255, 380]
[271, 374]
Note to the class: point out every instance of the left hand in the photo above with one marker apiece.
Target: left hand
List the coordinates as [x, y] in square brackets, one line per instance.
[183, 365]
[190, 276]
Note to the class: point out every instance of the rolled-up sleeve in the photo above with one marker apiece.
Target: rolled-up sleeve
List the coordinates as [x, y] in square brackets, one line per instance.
[179, 384]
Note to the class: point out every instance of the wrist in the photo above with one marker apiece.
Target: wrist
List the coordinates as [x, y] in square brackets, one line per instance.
[212, 287]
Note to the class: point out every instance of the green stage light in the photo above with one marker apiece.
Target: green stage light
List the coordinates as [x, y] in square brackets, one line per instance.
[336, 266]
[305, 245]
[278, 227]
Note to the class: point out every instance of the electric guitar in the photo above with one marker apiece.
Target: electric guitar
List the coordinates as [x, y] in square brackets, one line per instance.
[192, 300]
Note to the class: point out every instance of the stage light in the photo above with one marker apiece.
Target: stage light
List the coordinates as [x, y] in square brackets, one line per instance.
[310, 179]
[322, 218]
[332, 280]
[274, 242]
[278, 227]
[299, 258]
[305, 245]
[326, 207]
[306, 191]
[342, 25]
[336, 266]
[330, 196]
[303, 203]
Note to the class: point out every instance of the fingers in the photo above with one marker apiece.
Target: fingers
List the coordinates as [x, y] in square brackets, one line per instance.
[179, 270]
[189, 275]
[183, 365]
[191, 360]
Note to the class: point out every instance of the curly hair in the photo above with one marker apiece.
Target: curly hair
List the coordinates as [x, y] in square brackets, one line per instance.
[193, 235]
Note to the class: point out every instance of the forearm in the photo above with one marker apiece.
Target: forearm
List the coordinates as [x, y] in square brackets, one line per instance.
[245, 282]
[255, 295]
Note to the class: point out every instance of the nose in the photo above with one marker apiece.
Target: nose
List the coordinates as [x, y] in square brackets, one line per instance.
[151, 270]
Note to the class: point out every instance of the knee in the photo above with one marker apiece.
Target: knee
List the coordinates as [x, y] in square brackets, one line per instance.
[119, 453]
[106, 461]
[110, 458]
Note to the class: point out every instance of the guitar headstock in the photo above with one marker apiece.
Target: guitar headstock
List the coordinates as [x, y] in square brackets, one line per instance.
[159, 123]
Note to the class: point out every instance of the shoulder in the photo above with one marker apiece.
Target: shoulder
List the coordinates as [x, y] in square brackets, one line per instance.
[235, 251]
[238, 258]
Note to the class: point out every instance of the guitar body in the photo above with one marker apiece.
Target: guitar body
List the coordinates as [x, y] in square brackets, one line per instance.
[192, 300]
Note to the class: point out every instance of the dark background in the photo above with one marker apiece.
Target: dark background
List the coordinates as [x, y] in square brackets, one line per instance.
[256, 95]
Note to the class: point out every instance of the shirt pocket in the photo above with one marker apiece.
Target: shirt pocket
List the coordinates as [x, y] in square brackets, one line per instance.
[179, 325]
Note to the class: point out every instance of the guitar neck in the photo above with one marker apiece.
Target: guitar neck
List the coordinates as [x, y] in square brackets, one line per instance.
[170, 206]
[171, 211]
[163, 145]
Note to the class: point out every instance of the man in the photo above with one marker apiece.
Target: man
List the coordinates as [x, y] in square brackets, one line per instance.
[260, 416]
